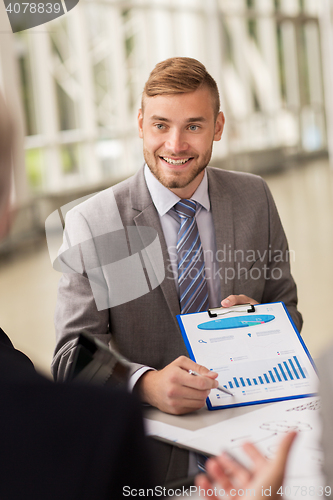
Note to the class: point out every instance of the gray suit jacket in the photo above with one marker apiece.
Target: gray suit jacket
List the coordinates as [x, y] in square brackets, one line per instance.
[253, 260]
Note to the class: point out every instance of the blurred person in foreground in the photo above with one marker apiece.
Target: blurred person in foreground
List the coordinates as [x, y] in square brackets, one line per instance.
[60, 441]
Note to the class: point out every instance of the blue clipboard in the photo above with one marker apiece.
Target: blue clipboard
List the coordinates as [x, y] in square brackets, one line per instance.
[208, 326]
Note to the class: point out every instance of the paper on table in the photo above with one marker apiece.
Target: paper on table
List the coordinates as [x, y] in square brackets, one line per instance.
[265, 427]
[259, 362]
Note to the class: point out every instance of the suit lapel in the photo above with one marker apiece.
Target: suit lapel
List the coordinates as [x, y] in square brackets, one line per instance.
[222, 211]
[221, 206]
[148, 217]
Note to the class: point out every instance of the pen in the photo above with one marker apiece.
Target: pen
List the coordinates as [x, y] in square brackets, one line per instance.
[219, 387]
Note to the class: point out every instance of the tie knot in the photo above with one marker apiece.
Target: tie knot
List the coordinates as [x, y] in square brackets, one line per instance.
[186, 208]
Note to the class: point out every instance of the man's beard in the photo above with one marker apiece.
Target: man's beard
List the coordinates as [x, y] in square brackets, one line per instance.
[179, 179]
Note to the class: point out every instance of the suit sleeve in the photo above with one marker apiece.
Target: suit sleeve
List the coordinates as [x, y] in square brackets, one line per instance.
[280, 285]
[76, 308]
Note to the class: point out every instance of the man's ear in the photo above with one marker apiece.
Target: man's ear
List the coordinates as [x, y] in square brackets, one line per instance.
[219, 126]
[140, 123]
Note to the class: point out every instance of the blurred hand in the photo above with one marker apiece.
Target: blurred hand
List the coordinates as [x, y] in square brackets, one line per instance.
[234, 300]
[174, 390]
[230, 476]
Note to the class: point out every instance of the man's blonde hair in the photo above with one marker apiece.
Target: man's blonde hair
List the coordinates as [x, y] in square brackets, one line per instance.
[179, 75]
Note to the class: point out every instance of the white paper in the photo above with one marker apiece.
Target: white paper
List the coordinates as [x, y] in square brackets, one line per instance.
[267, 360]
[264, 427]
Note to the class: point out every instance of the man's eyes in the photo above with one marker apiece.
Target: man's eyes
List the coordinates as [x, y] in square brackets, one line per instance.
[192, 128]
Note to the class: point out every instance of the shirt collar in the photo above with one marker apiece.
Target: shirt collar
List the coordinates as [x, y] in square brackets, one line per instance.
[164, 199]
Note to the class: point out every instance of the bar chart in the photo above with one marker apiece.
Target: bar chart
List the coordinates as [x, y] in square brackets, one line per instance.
[284, 371]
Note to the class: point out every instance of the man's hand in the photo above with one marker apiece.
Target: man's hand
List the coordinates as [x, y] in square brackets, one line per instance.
[227, 474]
[235, 300]
[174, 390]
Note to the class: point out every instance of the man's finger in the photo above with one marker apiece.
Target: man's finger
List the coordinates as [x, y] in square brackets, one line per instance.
[188, 393]
[234, 468]
[284, 448]
[202, 481]
[235, 300]
[198, 382]
[188, 365]
[204, 371]
[219, 473]
[281, 457]
[256, 456]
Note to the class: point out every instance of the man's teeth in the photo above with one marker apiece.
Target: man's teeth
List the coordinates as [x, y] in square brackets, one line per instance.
[175, 162]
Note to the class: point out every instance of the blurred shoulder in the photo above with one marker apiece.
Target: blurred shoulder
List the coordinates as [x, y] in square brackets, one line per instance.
[234, 178]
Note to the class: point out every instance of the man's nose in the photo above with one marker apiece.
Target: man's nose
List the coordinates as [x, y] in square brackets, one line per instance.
[176, 142]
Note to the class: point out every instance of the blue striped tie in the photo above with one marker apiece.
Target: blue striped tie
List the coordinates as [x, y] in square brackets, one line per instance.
[193, 291]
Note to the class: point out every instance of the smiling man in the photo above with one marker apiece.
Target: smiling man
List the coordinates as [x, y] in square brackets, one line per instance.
[221, 240]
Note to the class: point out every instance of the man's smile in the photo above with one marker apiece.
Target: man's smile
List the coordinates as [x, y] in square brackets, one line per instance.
[176, 161]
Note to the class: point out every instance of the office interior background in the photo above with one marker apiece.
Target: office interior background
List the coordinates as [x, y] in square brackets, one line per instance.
[74, 87]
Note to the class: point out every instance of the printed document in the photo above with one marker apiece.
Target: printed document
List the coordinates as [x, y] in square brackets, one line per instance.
[260, 357]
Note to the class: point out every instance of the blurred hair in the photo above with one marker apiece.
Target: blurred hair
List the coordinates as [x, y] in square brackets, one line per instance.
[6, 139]
[179, 75]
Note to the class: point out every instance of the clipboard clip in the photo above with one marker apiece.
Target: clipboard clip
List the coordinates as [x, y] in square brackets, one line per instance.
[220, 311]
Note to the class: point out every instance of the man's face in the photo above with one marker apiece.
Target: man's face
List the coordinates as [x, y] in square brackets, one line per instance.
[178, 133]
